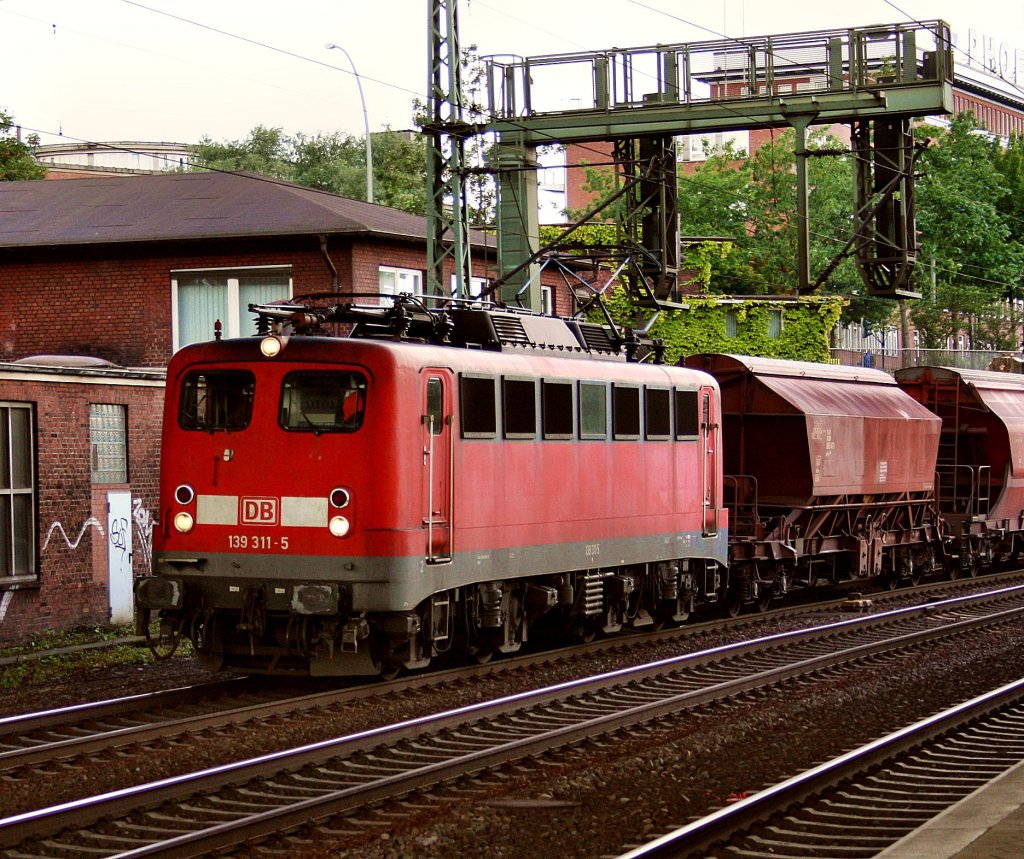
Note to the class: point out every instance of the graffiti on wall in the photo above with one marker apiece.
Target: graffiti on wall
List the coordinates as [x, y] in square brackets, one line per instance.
[91, 522]
[142, 520]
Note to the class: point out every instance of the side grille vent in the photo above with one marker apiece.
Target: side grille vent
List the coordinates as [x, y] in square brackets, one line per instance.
[510, 330]
[596, 338]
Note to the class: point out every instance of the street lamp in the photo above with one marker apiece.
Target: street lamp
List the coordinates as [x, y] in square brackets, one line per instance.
[366, 121]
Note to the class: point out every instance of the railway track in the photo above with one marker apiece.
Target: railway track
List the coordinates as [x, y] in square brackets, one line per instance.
[33, 739]
[865, 800]
[195, 813]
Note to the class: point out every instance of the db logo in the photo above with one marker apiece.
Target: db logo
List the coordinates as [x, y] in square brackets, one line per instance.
[259, 511]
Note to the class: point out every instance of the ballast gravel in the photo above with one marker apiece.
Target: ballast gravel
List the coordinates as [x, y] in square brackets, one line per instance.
[590, 801]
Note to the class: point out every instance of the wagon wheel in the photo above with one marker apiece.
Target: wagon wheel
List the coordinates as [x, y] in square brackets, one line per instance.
[969, 562]
[916, 572]
[764, 600]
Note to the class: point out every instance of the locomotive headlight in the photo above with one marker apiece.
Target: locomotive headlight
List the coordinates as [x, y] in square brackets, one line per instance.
[183, 522]
[340, 498]
[184, 494]
[338, 526]
[272, 345]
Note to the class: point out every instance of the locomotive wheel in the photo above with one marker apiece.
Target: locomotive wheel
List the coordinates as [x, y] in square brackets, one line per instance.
[390, 670]
[587, 631]
[764, 600]
[733, 604]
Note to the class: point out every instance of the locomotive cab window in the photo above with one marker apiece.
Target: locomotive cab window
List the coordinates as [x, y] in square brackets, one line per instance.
[519, 407]
[687, 423]
[657, 414]
[593, 410]
[214, 400]
[323, 401]
[625, 411]
[478, 406]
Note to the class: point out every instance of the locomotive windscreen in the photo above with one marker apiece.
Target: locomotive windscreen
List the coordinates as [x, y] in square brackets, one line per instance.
[216, 400]
[323, 401]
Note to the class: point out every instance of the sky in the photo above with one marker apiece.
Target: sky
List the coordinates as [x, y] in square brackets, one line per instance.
[179, 70]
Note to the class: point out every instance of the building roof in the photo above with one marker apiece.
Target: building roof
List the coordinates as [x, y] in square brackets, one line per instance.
[185, 206]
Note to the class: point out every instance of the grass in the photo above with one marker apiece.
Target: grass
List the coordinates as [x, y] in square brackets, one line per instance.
[41, 666]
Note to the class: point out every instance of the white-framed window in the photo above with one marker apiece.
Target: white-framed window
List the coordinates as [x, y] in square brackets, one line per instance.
[202, 297]
[17, 492]
[397, 280]
[108, 443]
[477, 285]
[547, 300]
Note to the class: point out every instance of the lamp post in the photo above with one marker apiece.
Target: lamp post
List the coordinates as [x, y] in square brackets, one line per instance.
[366, 121]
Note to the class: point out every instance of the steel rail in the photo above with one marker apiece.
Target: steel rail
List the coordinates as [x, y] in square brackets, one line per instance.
[86, 729]
[86, 732]
[702, 835]
[80, 813]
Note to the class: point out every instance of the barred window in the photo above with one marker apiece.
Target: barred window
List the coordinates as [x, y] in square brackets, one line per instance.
[17, 491]
[108, 443]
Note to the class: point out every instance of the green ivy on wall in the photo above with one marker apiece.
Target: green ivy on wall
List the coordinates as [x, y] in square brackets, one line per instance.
[741, 326]
[738, 325]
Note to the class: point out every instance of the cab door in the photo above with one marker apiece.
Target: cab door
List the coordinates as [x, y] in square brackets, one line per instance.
[436, 429]
[709, 449]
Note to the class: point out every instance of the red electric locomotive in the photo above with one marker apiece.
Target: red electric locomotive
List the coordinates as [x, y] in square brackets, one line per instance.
[437, 480]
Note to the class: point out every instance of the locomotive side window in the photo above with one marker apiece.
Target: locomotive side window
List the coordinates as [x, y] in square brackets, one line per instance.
[657, 413]
[686, 414]
[479, 409]
[322, 401]
[593, 410]
[519, 407]
[216, 400]
[556, 409]
[625, 411]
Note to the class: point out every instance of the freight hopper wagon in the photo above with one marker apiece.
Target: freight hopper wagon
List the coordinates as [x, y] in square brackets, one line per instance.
[980, 470]
[829, 476]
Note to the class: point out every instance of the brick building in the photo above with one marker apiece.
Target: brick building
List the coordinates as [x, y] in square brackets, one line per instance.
[127, 269]
[77, 487]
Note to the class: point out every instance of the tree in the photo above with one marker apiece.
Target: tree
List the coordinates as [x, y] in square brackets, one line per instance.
[970, 260]
[330, 162]
[16, 158]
